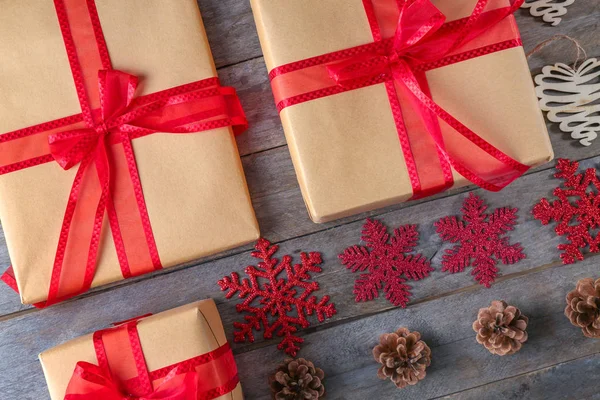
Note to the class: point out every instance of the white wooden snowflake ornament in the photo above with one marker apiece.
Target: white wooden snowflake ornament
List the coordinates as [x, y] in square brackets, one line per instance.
[571, 97]
[549, 10]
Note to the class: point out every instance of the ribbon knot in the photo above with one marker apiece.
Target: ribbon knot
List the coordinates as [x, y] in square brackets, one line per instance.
[116, 94]
[418, 20]
[394, 58]
[101, 129]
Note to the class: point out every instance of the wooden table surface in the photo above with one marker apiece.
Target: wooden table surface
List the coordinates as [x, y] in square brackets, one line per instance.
[557, 362]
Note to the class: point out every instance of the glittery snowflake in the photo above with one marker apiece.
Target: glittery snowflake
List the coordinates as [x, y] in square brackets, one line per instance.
[386, 265]
[276, 304]
[576, 210]
[480, 239]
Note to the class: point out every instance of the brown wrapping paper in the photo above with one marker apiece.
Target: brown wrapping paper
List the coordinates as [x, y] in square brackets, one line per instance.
[345, 147]
[166, 338]
[194, 184]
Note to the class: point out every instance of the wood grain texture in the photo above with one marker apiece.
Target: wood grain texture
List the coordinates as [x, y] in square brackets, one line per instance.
[458, 362]
[577, 375]
[443, 305]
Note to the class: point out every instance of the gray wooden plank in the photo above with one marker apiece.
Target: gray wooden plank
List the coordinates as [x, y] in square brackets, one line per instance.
[575, 379]
[231, 31]
[252, 84]
[581, 22]
[343, 350]
[458, 362]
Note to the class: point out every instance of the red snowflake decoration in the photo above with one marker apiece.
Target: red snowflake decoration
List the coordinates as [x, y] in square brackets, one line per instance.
[575, 219]
[481, 241]
[277, 297]
[386, 264]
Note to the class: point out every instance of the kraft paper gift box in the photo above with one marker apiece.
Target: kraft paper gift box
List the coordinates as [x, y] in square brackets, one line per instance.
[345, 147]
[193, 184]
[192, 334]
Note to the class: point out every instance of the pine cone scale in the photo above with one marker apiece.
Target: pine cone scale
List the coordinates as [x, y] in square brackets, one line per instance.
[403, 357]
[297, 380]
[583, 307]
[501, 328]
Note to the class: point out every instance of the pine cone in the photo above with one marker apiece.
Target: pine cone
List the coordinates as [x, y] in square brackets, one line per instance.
[403, 357]
[297, 380]
[501, 328]
[583, 307]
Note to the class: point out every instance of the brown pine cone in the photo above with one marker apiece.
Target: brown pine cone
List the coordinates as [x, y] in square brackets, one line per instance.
[583, 307]
[501, 328]
[403, 357]
[297, 380]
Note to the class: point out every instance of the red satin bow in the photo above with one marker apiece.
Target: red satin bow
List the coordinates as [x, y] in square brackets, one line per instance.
[421, 38]
[121, 118]
[90, 382]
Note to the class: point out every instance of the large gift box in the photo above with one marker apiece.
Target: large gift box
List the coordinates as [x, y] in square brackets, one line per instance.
[383, 101]
[178, 354]
[119, 156]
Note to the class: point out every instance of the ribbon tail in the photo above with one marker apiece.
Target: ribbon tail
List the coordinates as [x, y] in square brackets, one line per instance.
[140, 199]
[61, 288]
[8, 277]
[55, 280]
[469, 154]
[103, 170]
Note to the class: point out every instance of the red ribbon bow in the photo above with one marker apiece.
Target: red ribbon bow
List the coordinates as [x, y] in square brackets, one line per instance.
[90, 382]
[100, 140]
[423, 37]
[121, 118]
[418, 19]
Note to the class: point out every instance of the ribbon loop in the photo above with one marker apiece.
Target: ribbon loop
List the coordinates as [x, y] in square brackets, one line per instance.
[116, 90]
[418, 19]
[70, 148]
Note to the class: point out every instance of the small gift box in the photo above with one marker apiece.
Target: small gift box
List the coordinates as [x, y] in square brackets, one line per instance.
[178, 354]
[384, 101]
[119, 157]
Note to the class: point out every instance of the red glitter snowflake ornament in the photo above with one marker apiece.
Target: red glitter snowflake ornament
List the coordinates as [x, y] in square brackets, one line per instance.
[386, 263]
[287, 302]
[481, 241]
[577, 218]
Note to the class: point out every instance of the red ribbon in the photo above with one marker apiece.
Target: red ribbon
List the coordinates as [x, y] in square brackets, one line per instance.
[122, 373]
[121, 119]
[90, 382]
[99, 140]
[422, 40]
